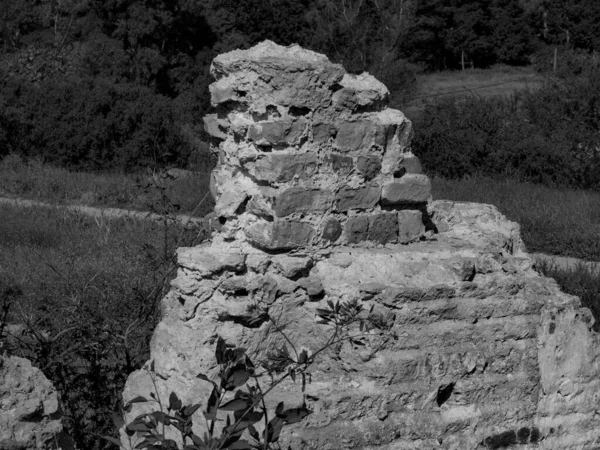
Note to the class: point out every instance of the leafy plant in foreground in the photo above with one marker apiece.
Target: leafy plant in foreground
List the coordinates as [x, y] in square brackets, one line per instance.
[239, 396]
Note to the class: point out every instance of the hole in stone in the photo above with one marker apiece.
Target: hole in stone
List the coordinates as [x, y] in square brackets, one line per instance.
[444, 393]
[242, 208]
[335, 87]
[399, 173]
[240, 93]
[272, 109]
[265, 148]
[298, 111]
[222, 220]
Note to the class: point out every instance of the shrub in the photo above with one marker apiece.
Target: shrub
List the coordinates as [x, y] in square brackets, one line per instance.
[550, 136]
[90, 124]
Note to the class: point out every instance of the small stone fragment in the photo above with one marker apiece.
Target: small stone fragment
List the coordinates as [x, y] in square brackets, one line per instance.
[215, 127]
[369, 166]
[291, 266]
[332, 230]
[312, 284]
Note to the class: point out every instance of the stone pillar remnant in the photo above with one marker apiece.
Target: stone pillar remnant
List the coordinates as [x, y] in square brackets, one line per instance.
[309, 155]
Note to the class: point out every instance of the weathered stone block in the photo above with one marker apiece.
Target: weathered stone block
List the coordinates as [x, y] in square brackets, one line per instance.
[410, 226]
[383, 228]
[215, 127]
[362, 134]
[341, 165]
[283, 167]
[312, 284]
[362, 90]
[361, 198]
[206, 261]
[302, 200]
[230, 201]
[356, 229]
[277, 132]
[411, 164]
[322, 132]
[280, 234]
[369, 166]
[332, 230]
[291, 266]
[409, 189]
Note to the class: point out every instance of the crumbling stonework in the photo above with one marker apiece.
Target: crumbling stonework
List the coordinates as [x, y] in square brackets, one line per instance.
[322, 200]
[309, 156]
[29, 409]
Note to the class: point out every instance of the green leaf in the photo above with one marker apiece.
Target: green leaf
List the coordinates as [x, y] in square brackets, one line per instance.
[117, 420]
[279, 408]
[240, 445]
[138, 426]
[211, 407]
[113, 440]
[174, 402]
[138, 399]
[237, 404]
[220, 350]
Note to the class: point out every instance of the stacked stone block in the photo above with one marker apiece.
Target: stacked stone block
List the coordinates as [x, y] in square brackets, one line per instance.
[310, 156]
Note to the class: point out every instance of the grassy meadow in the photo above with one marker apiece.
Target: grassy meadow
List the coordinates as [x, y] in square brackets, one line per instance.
[37, 181]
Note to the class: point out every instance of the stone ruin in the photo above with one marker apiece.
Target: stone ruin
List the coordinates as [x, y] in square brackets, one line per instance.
[310, 155]
[319, 198]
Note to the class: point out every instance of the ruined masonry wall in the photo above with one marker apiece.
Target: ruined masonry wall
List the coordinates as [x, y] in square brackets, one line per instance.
[321, 200]
[310, 155]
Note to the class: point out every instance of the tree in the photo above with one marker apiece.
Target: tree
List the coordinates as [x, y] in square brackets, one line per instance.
[512, 34]
[470, 32]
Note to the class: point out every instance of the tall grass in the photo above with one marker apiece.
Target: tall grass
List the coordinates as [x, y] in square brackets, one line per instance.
[555, 221]
[85, 296]
[35, 180]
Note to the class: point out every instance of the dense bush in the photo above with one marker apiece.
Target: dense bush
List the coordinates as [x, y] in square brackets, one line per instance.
[90, 124]
[549, 136]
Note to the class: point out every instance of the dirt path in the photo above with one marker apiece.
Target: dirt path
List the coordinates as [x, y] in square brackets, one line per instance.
[109, 213]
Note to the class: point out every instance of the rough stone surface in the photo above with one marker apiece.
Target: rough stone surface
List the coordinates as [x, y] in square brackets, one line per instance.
[410, 225]
[290, 129]
[408, 189]
[359, 198]
[29, 408]
[283, 167]
[476, 350]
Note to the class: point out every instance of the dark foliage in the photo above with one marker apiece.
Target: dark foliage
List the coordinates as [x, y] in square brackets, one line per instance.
[90, 124]
[549, 136]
